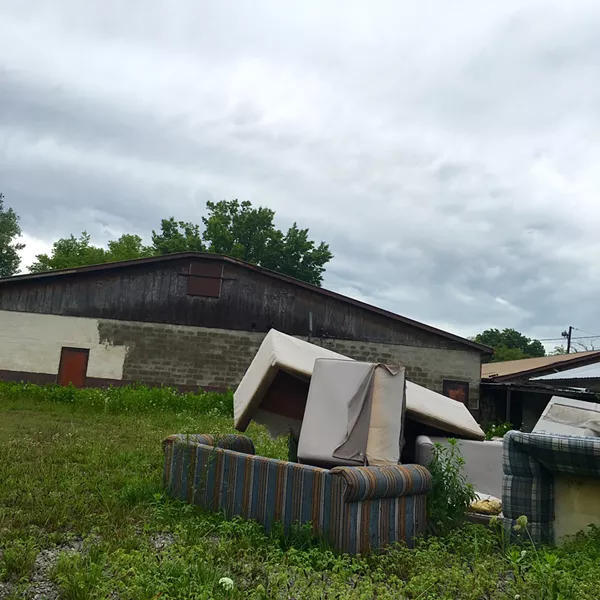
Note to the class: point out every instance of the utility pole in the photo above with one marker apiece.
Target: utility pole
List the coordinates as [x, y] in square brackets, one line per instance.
[568, 336]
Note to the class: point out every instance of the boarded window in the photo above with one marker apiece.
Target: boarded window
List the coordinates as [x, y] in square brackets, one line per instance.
[73, 366]
[457, 390]
[204, 279]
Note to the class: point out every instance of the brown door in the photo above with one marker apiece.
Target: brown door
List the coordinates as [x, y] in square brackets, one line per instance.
[73, 366]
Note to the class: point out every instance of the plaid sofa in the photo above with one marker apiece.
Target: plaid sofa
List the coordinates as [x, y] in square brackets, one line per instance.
[356, 508]
[529, 463]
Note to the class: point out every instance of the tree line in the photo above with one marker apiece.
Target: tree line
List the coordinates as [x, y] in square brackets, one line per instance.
[231, 228]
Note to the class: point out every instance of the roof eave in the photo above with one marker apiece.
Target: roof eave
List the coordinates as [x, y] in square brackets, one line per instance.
[485, 350]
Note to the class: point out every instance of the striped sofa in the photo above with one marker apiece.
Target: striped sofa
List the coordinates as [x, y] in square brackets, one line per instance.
[355, 508]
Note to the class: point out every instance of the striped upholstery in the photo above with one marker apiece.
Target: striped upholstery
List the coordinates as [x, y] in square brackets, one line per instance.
[230, 441]
[366, 483]
[355, 508]
[529, 463]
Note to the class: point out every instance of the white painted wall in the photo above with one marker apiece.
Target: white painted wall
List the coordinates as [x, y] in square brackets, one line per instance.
[32, 342]
[576, 504]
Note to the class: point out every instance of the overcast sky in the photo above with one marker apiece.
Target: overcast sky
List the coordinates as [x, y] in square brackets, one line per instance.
[449, 152]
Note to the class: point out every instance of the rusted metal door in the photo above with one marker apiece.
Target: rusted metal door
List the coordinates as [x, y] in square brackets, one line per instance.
[73, 366]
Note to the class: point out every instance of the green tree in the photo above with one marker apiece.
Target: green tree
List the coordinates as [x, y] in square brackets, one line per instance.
[71, 252]
[238, 230]
[231, 228]
[177, 236]
[127, 247]
[509, 344]
[9, 248]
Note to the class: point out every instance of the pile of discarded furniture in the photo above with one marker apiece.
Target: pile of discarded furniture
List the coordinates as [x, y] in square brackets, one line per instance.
[364, 437]
[361, 432]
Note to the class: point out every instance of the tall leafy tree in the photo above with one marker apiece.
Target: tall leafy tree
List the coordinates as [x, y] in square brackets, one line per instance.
[509, 344]
[238, 230]
[71, 252]
[9, 248]
[232, 228]
[177, 236]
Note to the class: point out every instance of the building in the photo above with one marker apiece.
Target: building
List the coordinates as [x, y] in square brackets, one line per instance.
[517, 391]
[196, 320]
[586, 376]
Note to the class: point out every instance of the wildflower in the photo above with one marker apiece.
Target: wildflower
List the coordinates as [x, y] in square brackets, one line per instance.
[226, 583]
[521, 523]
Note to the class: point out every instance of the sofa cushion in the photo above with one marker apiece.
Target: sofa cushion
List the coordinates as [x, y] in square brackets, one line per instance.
[364, 483]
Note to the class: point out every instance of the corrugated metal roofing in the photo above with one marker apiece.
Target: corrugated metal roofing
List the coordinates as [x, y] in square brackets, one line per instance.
[585, 372]
[515, 367]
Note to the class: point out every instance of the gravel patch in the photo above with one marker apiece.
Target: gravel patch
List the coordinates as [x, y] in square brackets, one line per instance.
[40, 586]
[161, 541]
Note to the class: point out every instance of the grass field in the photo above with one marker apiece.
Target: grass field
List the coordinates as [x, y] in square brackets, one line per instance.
[83, 515]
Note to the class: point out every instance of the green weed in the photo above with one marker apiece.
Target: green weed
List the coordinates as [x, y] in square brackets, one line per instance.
[17, 559]
[96, 473]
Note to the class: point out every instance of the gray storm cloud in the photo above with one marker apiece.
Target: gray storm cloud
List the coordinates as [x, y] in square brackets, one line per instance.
[447, 153]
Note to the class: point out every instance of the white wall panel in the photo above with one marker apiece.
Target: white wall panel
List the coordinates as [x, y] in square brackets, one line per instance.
[32, 342]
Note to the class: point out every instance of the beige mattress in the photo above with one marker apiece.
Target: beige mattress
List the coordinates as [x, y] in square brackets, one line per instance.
[354, 414]
[275, 387]
[567, 416]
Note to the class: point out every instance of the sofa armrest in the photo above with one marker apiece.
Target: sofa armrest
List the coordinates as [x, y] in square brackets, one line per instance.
[365, 483]
[238, 443]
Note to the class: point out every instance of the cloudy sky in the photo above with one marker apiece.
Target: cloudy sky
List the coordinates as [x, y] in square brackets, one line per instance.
[449, 152]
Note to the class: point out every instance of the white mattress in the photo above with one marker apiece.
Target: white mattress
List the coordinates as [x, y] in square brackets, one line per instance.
[567, 416]
[354, 414]
[297, 357]
[483, 462]
[278, 351]
[431, 408]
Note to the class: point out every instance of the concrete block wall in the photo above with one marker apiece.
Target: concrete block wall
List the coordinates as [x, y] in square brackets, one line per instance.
[193, 357]
[425, 366]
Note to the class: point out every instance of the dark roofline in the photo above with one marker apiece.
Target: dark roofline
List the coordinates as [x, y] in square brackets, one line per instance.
[536, 388]
[168, 257]
[570, 363]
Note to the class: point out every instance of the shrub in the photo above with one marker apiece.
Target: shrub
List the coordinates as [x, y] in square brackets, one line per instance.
[493, 430]
[450, 494]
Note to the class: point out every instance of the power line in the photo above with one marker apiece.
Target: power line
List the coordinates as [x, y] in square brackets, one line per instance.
[584, 331]
[583, 337]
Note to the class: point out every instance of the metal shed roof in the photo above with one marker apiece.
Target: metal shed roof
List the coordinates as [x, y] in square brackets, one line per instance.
[585, 372]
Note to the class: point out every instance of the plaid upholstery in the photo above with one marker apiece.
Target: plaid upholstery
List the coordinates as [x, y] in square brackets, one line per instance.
[529, 463]
[355, 508]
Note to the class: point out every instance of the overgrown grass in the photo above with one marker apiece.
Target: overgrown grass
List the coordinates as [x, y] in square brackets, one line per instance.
[84, 470]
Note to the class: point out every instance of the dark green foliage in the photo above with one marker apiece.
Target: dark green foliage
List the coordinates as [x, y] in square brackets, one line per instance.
[9, 249]
[497, 430]
[238, 230]
[177, 236]
[71, 252]
[232, 228]
[450, 494]
[509, 344]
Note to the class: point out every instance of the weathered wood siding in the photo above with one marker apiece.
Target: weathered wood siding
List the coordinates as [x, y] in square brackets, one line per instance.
[249, 301]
